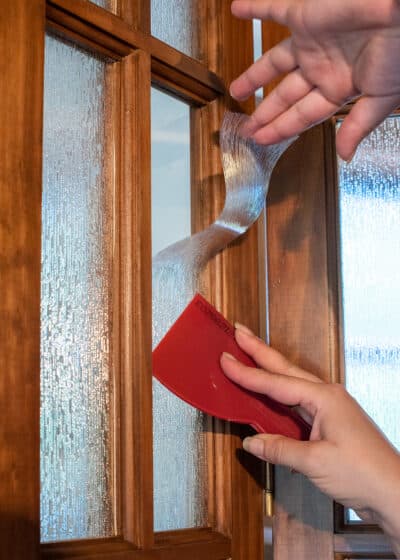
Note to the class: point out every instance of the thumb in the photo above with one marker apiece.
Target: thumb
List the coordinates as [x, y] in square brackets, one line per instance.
[281, 450]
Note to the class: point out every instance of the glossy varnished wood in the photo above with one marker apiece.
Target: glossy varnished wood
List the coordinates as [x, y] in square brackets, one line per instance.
[110, 35]
[21, 93]
[232, 280]
[303, 323]
[135, 242]
[136, 13]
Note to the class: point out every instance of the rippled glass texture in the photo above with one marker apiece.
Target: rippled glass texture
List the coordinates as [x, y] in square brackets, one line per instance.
[369, 203]
[76, 475]
[179, 438]
[176, 22]
[109, 5]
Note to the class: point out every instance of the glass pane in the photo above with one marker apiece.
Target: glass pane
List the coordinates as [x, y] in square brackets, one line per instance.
[369, 204]
[76, 475]
[179, 439]
[257, 48]
[176, 22]
[110, 5]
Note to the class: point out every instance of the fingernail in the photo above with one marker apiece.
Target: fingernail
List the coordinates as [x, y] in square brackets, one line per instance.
[243, 329]
[229, 356]
[254, 446]
[231, 93]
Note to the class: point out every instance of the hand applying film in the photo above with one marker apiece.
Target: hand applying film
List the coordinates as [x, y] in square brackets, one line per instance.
[346, 457]
[187, 362]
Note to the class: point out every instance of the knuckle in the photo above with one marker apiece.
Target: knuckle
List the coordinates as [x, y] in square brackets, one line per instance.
[276, 450]
[301, 115]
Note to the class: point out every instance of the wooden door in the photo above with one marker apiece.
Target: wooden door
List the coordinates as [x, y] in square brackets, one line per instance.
[118, 35]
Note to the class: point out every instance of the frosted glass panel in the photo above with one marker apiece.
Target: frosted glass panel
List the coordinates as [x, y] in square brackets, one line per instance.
[369, 203]
[75, 304]
[176, 22]
[179, 439]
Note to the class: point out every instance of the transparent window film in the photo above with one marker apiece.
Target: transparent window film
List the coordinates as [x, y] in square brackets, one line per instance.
[76, 477]
[369, 206]
[179, 437]
[176, 22]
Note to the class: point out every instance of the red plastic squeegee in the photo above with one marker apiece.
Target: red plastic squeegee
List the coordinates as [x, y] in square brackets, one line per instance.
[187, 362]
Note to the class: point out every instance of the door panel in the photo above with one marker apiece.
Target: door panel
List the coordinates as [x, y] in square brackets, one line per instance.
[133, 59]
[20, 227]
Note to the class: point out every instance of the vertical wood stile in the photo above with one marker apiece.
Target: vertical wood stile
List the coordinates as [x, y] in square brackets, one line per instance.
[21, 94]
[136, 13]
[207, 199]
[301, 325]
[136, 414]
[233, 281]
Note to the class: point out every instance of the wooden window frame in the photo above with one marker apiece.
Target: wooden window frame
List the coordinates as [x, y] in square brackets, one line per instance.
[138, 60]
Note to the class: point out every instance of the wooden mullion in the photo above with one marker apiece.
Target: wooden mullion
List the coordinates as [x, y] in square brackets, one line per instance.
[239, 301]
[136, 422]
[137, 14]
[232, 280]
[301, 323]
[207, 200]
[21, 116]
[107, 32]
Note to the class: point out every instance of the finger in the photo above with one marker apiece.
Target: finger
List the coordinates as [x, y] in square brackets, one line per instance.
[304, 414]
[309, 111]
[365, 116]
[279, 60]
[281, 450]
[292, 88]
[292, 391]
[268, 358]
[262, 9]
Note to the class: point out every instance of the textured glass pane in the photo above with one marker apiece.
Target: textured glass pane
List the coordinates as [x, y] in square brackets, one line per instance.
[176, 22]
[75, 308]
[179, 440]
[369, 202]
[107, 4]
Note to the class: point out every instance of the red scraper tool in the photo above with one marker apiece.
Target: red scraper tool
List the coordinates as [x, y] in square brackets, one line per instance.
[187, 359]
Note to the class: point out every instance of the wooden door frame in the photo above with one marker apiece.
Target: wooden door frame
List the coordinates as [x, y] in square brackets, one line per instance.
[236, 507]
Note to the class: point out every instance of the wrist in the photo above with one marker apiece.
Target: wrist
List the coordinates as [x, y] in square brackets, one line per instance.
[386, 509]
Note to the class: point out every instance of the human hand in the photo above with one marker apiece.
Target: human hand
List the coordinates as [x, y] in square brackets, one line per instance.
[340, 50]
[347, 457]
